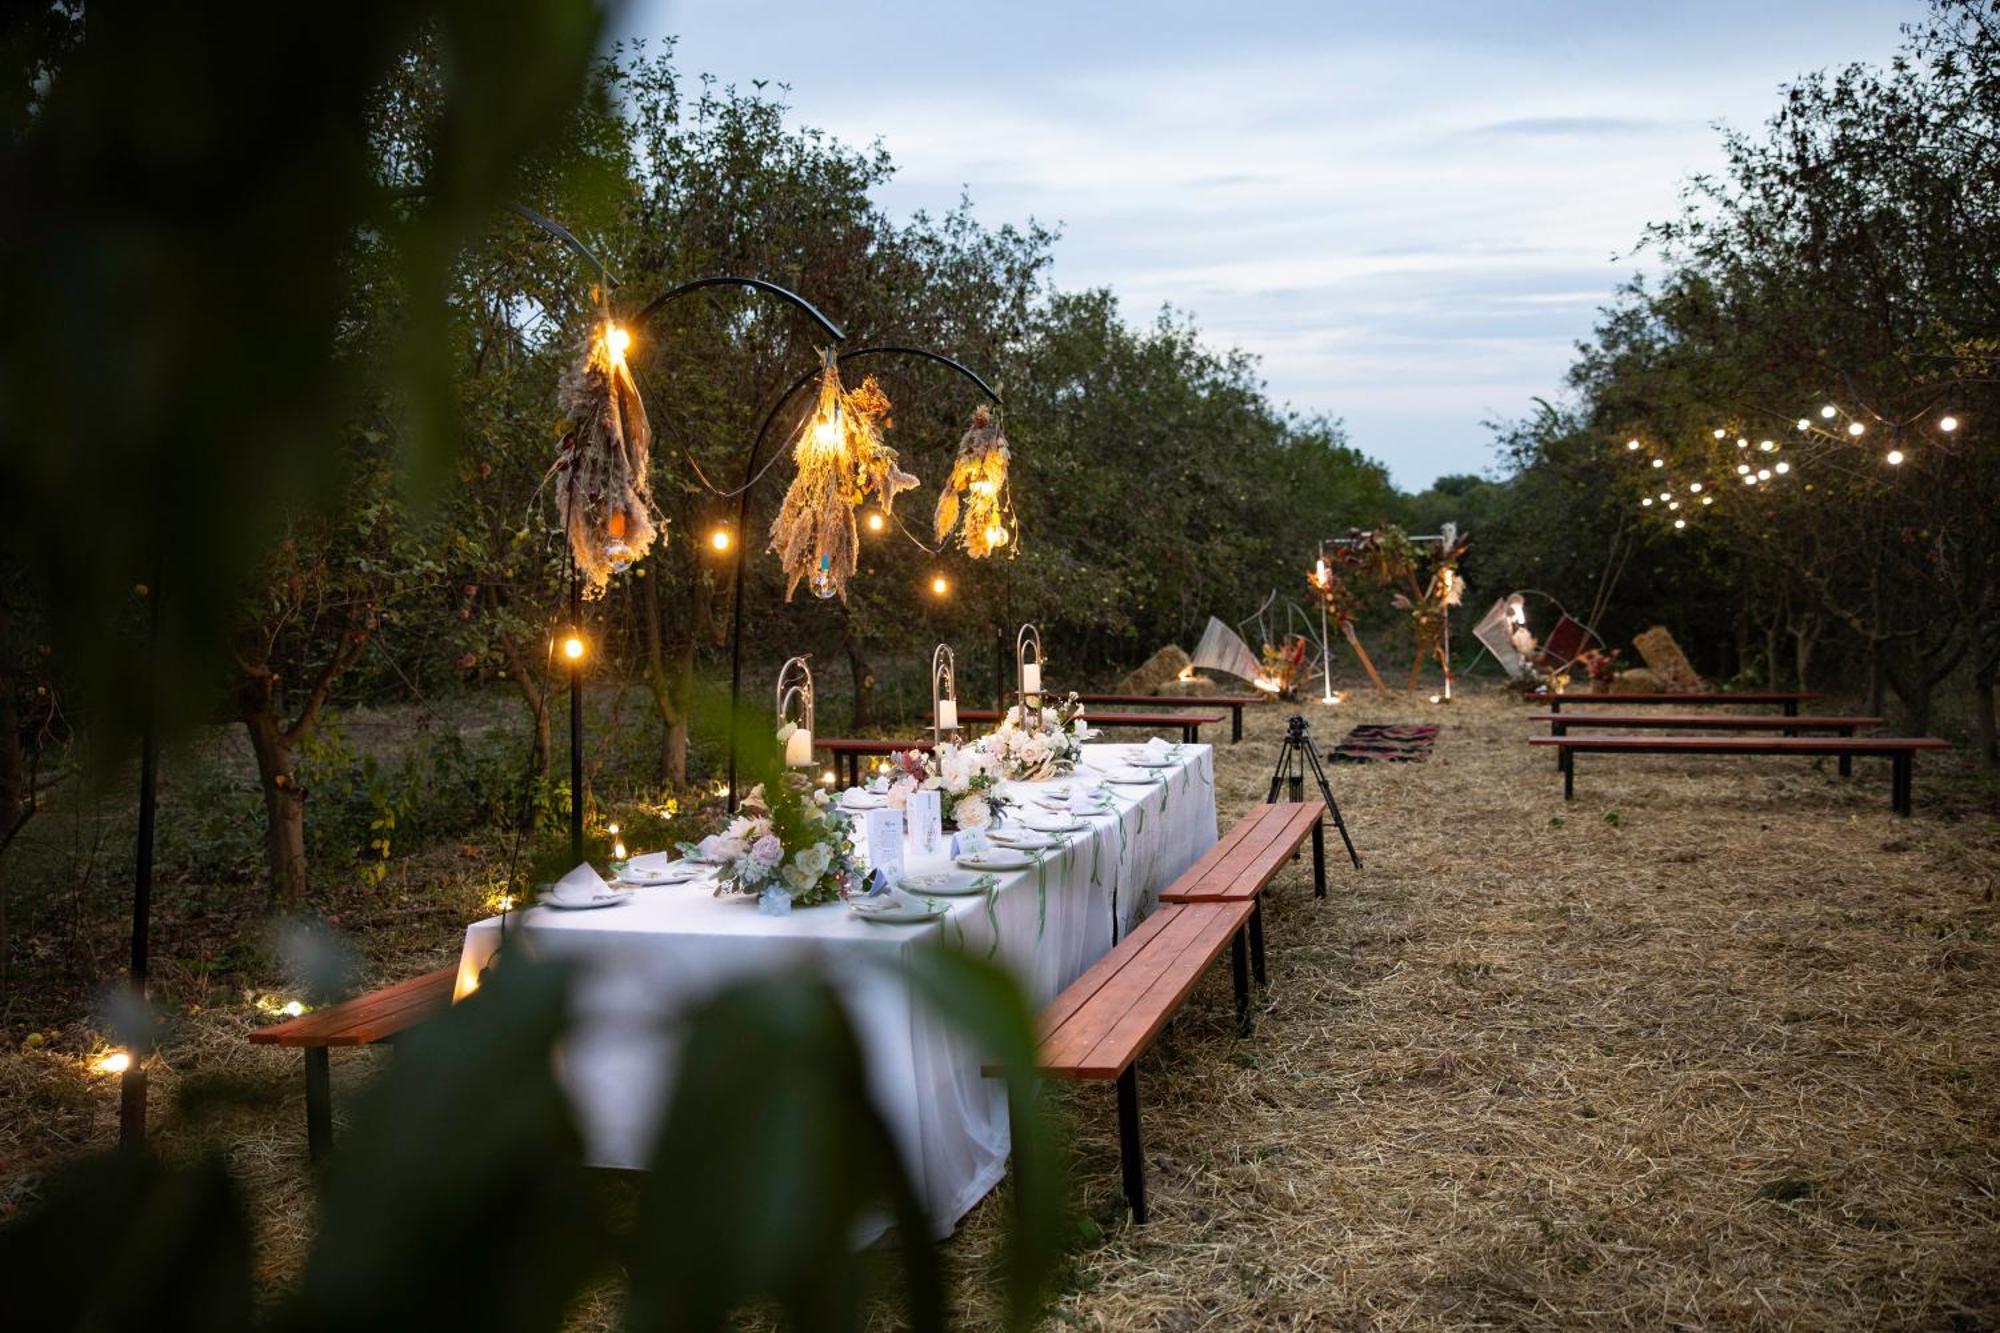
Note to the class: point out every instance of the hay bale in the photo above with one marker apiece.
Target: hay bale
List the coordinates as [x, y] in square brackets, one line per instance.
[1638, 681]
[1667, 661]
[1191, 685]
[1160, 668]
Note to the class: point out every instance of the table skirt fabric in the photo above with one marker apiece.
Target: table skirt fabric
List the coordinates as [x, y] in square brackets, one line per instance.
[642, 962]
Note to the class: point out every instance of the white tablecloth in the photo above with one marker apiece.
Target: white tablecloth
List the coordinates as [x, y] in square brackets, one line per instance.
[642, 961]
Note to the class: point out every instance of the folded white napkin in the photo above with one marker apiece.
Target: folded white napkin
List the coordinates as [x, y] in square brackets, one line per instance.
[580, 885]
[1083, 800]
[1043, 823]
[1157, 749]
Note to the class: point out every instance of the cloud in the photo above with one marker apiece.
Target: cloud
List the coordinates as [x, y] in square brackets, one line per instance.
[1566, 126]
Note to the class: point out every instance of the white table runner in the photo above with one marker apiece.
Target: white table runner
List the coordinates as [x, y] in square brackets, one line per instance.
[642, 961]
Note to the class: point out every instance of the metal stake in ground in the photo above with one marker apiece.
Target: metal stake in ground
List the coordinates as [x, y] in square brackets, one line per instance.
[1295, 756]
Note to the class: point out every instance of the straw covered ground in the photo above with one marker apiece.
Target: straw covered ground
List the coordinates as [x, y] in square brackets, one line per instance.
[1716, 1045]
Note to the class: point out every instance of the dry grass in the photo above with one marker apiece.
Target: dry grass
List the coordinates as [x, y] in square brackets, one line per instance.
[1718, 1044]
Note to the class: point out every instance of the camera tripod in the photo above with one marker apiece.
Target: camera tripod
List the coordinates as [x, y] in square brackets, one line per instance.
[1295, 756]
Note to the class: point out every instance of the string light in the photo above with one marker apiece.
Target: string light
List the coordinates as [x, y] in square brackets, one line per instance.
[1895, 457]
[1666, 495]
[1742, 469]
[293, 1010]
[1781, 468]
[1708, 499]
[1674, 505]
[1742, 443]
[1767, 445]
[874, 520]
[1750, 478]
[1804, 424]
[1659, 462]
[1720, 433]
[1680, 523]
[720, 539]
[1646, 503]
[1947, 424]
[1829, 411]
[572, 648]
[1855, 428]
[1634, 444]
[1763, 474]
[1694, 488]
[940, 585]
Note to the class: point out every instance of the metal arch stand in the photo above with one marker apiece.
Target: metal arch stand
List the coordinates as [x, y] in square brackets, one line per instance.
[1296, 756]
[750, 465]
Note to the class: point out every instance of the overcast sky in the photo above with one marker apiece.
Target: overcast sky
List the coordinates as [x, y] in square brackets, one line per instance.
[1409, 212]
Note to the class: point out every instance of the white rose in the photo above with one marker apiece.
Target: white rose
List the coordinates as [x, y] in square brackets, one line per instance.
[972, 812]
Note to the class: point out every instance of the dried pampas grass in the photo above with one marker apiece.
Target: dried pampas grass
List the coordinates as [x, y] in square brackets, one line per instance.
[841, 462]
[602, 495]
[978, 491]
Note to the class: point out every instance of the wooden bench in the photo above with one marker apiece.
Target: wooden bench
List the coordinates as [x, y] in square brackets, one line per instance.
[379, 1015]
[849, 751]
[1790, 725]
[1097, 1029]
[1190, 724]
[1900, 750]
[1788, 700]
[1248, 857]
[1235, 703]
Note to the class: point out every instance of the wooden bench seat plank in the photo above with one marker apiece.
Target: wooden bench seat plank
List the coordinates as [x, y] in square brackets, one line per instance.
[1788, 698]
[1078, 992]
[1706, 721]
[1139, 964]
[1133, 1031]
[1112, 1029]
[1252, 863]
[1775, 745]
[351, 1022]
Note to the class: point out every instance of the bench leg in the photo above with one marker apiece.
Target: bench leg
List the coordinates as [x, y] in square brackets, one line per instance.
[1847, 765]
[1131, 1153]
[1791, 708]
[1190, 735]
[1319, 858]
[1236, 724]
[1900, 782]
[1558, 729]
[1257, 941]
[1568, 764]
[1239, 969]
[319, 1102]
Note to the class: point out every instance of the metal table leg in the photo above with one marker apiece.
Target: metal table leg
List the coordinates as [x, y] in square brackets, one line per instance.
[1131, 1153]
[319, 1103]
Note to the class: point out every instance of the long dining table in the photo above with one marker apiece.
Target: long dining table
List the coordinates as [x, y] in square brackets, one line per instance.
[642, 962]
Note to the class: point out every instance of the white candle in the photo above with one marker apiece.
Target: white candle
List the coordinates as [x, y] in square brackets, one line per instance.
[947, 717]
[799, 749]
[1031, 678]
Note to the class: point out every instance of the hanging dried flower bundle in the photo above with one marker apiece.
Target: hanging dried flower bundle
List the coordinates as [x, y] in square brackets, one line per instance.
[602, 495]
[978, 489]
[841, 462]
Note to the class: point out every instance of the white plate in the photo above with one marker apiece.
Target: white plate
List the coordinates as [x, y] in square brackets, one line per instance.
[951, 884]
[855, 799]
[601, 900]
[1143, 760]
[1068, 825]
[898, 913]
[1027, 840]
[654, 868]
[1132, 777]
[997, 859]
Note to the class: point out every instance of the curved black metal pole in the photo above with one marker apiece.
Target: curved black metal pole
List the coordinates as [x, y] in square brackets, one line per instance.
[566, 236]
[786, 294]
[743, 509]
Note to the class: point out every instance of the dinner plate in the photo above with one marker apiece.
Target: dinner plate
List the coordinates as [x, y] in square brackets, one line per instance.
[1068, 825]
[947, 884]
[997, 859]
[585, 905]
[898, 912]
[1026, 839]
[855, 799]
[1132, 777]
[1147, 761]
[652, 869]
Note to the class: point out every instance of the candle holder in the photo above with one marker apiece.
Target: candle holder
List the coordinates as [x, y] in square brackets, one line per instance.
[1028, 675]
[795, 686]
[944, 693]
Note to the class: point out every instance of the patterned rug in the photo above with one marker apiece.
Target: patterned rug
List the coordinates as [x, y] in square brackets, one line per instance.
[1386, 743]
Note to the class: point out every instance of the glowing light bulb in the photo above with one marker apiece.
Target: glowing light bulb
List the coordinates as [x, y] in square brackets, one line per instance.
[1895, 457]
[293, 1010]
[1646, 503]
[1694, 488]
[1742, 443]
[940, 585]
[826, 778]
[1804, 424]
[1829, 412]
[875, 521]
[1742, 468]
[1666, 495]
[1680, 522]
[115, 1062]
[1659, 462]
[720, 539]
[1676, 504]
[617, 851]
[1947, 424]
[826, 433]
[1708, 499]
[1767, 445]
[1631, 444]
[612, 829]
[1720, 433]
[1750, 479]
[1781, 468]
[1855, 428]
[1763, 474]
[996, 535]
[573, 648]
[617, 340]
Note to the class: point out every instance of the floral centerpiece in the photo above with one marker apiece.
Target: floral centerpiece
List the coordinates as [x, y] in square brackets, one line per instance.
[966, 778]
[788, 845]
[1048, 751]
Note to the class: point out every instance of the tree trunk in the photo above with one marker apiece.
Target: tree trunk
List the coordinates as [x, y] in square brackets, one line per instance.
[15, 796]
[864, 686]
[284, 805]
[669, 678]
[1878, 681]
[1983, 682]
[520, 670]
